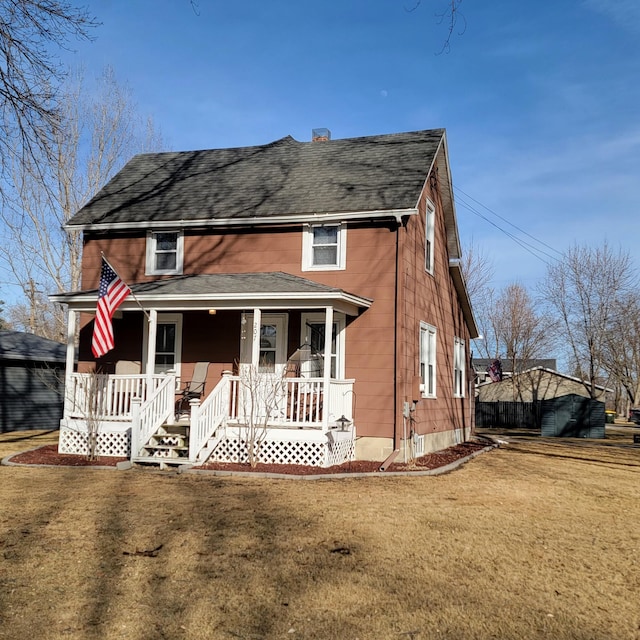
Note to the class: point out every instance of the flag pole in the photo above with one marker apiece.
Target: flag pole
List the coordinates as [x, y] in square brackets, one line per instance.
[133, 295]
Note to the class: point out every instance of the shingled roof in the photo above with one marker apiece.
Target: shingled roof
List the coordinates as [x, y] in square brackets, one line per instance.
[228, 290]
[16, 345]
[283, 178]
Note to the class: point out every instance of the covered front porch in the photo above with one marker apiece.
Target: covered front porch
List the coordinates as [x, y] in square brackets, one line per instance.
[276, 398]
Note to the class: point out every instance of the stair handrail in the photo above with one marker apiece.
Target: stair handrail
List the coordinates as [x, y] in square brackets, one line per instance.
[149, 415]
[207, 417]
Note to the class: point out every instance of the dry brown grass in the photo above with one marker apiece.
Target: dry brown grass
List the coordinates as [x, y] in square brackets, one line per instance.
[533, 540]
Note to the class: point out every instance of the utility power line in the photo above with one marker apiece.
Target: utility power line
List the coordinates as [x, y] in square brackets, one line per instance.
[534, 250]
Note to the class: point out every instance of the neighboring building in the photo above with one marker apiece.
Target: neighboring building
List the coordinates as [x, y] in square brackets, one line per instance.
[536, 384]
[481, 366]
[348, 247]
[31, 381]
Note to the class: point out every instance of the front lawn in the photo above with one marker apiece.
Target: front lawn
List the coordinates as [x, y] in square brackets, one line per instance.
[532, 540]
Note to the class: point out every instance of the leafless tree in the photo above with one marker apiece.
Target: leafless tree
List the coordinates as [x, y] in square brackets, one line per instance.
[263, 398]
[451, 16]
[622, 350]
[583, 292]
[38, 313]
[522, 331]
[3, 322]
[32, 32]
[478, 271]
[97, 132]
[523, 334]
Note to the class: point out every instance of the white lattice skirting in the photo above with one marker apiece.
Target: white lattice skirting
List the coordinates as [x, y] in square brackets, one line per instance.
[110, 443]
[323, 451]
[281, 446]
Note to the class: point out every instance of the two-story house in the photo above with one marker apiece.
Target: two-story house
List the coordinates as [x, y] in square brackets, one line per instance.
[327, 272]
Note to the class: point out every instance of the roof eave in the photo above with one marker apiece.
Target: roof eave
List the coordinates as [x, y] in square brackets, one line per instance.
[341, 300]
[448, 201]
[303, 218]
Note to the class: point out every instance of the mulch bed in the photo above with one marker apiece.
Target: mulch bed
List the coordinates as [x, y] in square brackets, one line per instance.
[48, 454]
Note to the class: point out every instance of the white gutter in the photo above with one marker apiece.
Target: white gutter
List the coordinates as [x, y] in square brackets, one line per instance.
[301, 218]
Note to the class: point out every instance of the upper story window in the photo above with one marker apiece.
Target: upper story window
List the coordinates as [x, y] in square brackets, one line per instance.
[429, 235]
[164, 252]
[324, 247]
[427, 360]
[459, 367]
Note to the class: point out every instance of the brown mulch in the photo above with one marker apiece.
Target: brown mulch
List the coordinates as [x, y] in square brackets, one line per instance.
[48, 454]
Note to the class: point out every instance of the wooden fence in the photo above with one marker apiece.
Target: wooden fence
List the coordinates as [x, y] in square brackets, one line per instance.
[508, 414]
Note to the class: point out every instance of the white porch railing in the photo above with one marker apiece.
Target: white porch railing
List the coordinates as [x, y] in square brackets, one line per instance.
[341, 400]
[207, 417]
[146, 402]
[148, 416]
[302, 402]
[106, 397]
[299, 403]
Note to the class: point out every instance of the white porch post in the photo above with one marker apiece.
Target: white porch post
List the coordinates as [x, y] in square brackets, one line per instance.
[255, 338]
[328, 335]
[70, 359]
[149, 366]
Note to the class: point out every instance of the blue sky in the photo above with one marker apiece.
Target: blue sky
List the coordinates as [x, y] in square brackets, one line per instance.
[541, 101]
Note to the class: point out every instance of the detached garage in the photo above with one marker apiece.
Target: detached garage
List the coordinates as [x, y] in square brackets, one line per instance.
[31, 382]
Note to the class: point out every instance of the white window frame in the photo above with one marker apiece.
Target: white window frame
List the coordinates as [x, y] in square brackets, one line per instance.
[307, 248]
[152, 252]
[428, 353]
[340, 320]
[459, 367]
[429, 236]
[167, 318]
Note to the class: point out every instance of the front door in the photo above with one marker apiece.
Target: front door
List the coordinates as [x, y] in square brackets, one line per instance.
[263, 388]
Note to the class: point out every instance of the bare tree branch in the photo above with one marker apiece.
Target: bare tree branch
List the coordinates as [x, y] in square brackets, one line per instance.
[97, 133]
[30, 33]
[451, 16]
[583, 292]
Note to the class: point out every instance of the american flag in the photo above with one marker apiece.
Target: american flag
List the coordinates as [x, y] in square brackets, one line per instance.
[110, 296]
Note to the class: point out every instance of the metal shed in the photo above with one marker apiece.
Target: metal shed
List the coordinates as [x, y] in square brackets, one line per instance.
[572, 416]
[31, 382]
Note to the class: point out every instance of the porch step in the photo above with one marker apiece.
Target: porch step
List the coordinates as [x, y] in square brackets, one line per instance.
[211, 445]
[169, 445]
[177, 428]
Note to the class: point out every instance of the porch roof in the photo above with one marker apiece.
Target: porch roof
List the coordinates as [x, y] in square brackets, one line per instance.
[271, 290]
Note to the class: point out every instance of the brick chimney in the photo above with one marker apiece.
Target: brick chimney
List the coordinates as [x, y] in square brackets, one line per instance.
[320, 135]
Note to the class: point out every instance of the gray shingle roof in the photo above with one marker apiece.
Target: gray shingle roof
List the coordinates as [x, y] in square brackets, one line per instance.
[219, 287]
[285, 177]
[15, 345]
[213, 284]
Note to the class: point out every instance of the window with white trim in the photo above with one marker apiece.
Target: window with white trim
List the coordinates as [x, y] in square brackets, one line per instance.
[164, 252]
[459, 368]
[427, 360]
[324, 247]
[429, 236]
